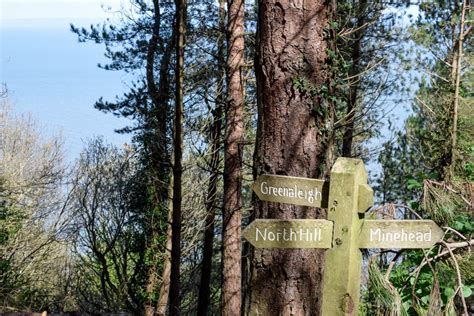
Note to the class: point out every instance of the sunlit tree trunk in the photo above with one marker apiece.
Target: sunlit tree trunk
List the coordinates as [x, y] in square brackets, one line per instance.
[290, 69]
[231, 296]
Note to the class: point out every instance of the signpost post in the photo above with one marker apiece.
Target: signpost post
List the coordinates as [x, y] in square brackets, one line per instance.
[347, 198]
[343, 265]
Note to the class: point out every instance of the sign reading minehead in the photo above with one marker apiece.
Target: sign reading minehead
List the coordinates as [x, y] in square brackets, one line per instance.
[295, 233]
[292, 190]
[399, 234]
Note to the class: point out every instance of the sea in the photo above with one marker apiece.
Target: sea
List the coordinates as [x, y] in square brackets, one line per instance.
[53, 77]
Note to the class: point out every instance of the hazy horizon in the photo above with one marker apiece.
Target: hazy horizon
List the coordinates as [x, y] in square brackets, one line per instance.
[55, 78]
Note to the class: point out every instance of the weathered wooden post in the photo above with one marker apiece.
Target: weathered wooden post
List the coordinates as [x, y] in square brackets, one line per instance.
[349, 198]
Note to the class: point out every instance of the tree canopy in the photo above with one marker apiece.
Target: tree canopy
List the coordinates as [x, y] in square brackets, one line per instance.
[219, 93]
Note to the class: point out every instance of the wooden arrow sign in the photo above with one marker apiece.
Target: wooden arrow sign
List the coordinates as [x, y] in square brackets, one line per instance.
[296, 233]
[399, 234]
[292, 190]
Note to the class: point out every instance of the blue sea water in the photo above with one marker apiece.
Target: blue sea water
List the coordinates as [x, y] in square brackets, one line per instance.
[56, 79]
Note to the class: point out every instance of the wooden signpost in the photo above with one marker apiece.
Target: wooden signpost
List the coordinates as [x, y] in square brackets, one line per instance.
[344, 233]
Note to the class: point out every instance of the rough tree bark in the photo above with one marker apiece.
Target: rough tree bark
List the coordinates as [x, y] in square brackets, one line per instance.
[211, 201]
[174, 294]
[290, 68]
[231, 287]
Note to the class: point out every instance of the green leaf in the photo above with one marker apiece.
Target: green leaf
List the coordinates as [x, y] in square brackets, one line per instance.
[406, 304]
[468, 226]
[458, 225]
[466, 291]
[415, 205]
[414, 184]
[449, 292]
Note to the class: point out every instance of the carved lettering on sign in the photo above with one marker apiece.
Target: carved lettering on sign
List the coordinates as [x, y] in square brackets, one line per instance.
[296, 233]
[288, 234]
[291, 190]
[378, 235]
[399, 234]
[311, 195]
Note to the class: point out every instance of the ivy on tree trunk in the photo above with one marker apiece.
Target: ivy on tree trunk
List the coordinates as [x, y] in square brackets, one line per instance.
[290, 69]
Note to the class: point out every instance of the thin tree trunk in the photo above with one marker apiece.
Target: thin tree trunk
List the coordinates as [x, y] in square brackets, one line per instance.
[165, 283]
[232, 217]
[157, 120]
[458, 51]
[174, 295]
[331, 133]
[290, 47]
[215, 139]
[348, 136]
[154, 229]
[165, 279]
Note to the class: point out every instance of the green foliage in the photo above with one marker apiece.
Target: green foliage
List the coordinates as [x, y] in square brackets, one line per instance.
[109, 202]
[418, 289]
[466, 129]
[33, 259]
[416, 168]
[363, 49]
[386, 297]
[304, 86]
[445, 203]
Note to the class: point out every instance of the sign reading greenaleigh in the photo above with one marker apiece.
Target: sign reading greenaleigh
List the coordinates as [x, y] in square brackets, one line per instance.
[292, 190]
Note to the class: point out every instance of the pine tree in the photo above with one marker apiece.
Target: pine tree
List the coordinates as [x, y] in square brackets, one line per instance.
[429, 168]
[290, 68]
[232, 216]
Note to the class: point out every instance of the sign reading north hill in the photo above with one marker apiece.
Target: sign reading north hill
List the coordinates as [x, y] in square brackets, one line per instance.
[295, 233]
[292, 190]
[399, 234]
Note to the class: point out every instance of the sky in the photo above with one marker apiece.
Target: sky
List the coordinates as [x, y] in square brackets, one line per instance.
[56, 9]
[52, 76]
[55, 78]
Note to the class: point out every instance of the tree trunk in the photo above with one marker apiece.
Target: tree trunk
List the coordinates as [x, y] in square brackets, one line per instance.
[157, 121]
[330, 148]
[215, 139]
[290, 69]
[165, 277]
[348, 136]
[174, 296]
[231, 288]
[456, 78]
